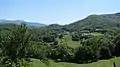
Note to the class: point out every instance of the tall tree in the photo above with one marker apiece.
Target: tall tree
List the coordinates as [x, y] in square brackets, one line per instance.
[117, 47]
[14, 45]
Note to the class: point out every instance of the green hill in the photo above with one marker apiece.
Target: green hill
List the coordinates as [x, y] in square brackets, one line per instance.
[105, 21]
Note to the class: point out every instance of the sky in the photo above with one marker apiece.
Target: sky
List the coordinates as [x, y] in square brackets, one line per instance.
[55, 11]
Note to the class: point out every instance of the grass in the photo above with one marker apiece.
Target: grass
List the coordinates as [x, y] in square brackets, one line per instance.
[96, 34]
[101, 63]
[67, 39]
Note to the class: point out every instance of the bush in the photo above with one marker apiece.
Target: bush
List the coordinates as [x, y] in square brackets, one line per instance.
[63, 53]
[105, 53]
[39, 51]
[75, 38]
[102, 48]
[84, 54]
[48, 38]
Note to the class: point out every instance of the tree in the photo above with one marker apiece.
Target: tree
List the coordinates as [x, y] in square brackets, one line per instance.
[39, 51]
[13, 45]
[97, 45]
[63, 53]
[76, 37]
[60, 36]
[105, 53]
[117, 45]
[84, 54]
[48, 38]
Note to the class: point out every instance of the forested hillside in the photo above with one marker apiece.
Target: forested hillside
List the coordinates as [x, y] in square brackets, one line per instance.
[105, 21]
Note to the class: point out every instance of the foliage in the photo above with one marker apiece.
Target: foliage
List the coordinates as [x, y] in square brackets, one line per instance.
[117, 43]
[63, 53]
[39, 51]
[13, 45]
[105, 53]
[84, 53]
[100, 47]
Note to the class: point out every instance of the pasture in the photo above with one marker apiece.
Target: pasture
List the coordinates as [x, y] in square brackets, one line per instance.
[101, 63]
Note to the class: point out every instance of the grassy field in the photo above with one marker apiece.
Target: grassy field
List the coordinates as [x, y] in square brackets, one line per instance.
[96, 34]
[93, 33]
[101, 63]
[67, 40]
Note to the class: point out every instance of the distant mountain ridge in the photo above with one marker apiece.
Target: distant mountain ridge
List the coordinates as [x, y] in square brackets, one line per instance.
[2, 21]
[104, 21]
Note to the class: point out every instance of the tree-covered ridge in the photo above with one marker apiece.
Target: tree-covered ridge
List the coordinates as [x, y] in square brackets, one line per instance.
[105, 21]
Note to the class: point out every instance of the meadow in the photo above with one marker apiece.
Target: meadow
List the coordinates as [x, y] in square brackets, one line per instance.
[101, 63]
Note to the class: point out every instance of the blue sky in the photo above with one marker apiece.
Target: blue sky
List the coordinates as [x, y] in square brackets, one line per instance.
[55, 11]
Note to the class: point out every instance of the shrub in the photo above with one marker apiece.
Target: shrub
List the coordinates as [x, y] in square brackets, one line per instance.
[62, 52]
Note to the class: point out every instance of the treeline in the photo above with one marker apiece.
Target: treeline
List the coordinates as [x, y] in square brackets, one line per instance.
[19, 44]
[93, 49]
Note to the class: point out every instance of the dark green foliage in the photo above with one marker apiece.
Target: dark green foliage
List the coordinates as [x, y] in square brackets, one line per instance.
[48, 38]
[13, 45]
[60, 36]
[75, 38]
[63, 53]
[101, 47]
[55, 42]
[105, 53]
[117, 43]
[84, 53]
[39, 51]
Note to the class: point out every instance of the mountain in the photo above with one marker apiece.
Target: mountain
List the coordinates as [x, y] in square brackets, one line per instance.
[104, 21]
[35, 24]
